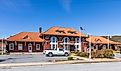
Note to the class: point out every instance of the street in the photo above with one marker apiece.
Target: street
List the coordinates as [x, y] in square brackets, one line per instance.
[114, 66]
[24, 58]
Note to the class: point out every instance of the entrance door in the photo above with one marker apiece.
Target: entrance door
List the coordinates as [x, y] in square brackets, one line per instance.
[30, 47]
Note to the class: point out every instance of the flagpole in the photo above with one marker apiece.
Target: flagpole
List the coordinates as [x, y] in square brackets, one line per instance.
[81, 38]
[80, 41]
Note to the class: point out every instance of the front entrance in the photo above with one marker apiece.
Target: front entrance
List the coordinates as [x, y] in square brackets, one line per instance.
[30, 47]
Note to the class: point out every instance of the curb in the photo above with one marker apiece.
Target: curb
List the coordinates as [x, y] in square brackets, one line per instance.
[51, 63]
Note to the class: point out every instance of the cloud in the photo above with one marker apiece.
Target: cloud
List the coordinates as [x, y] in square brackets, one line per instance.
[66, 4]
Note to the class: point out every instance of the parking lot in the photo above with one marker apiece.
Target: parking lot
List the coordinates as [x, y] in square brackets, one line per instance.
[23, 58]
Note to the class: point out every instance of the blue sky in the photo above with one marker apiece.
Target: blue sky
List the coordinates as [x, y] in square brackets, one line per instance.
[97, 17]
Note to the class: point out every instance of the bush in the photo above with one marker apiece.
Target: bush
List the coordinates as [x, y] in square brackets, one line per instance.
[70, 58]
[82, 54]
[104, 53]
[108, 53]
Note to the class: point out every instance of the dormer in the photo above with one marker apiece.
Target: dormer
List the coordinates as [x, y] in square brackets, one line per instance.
[26, 37]
[72, 32]
[98, 40]
[60, 31]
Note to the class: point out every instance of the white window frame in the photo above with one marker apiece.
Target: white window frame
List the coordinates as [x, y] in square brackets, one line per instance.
[77, 39]
[77, 44]
[11, 46]
[53, 38]
[66, 47]
[20, 46]
[37, 48]
[64, 39]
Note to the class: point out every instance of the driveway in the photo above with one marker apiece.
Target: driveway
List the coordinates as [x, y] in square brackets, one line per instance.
[23, 58]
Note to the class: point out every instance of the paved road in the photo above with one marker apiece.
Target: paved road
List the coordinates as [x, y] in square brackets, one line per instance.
[22, 58]
[115, 66]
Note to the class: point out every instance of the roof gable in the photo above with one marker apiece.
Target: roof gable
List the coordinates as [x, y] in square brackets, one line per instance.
[26, 36]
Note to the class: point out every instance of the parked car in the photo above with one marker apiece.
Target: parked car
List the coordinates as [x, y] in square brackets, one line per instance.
[58, 51]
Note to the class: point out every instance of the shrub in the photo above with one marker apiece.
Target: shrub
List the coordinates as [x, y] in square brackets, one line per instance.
[93, 54]
[70, 58]
[82, 54]
[104, 53]
[108, 53]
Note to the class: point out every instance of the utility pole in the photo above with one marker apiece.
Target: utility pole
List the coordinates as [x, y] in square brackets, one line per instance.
[108, 41]
[90, 41]
[2, 46]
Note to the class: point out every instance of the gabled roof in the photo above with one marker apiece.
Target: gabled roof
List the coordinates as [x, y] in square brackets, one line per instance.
[26, 36]
[100, 40]
[63, 31]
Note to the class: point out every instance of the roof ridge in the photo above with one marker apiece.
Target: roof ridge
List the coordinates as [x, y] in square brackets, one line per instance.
[14, 35]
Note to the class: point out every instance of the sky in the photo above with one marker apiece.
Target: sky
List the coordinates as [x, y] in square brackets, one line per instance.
[97, 17]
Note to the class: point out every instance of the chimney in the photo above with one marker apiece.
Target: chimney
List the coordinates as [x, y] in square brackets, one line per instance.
[40, 30]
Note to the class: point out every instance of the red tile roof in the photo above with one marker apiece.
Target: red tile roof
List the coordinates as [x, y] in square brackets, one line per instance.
[26, 36]
[101, 40]
[63, 31]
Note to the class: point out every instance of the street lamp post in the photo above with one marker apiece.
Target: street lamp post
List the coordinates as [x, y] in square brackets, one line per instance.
[80, 38]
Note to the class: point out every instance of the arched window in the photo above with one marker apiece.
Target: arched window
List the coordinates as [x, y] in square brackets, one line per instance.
[77, 43]
[65, 43]
[65, 39]
[53, 39]
[29, 45]
[11, 46]
[77, 40]
[53, 43]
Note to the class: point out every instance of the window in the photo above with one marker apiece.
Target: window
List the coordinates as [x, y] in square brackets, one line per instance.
[66, 40]
[29, 45]
[53, 43]
[60, 49]
[53, 39]
[53, 46]
[37, 46]
[20, 47]
[11, 46]
[77, 40]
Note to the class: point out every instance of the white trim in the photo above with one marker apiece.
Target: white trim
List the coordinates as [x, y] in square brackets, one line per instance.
[20, 46]
[77, 44]
[11, 46]
[37, 48]
[30, 47]
[53, 43]
[66, 47]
